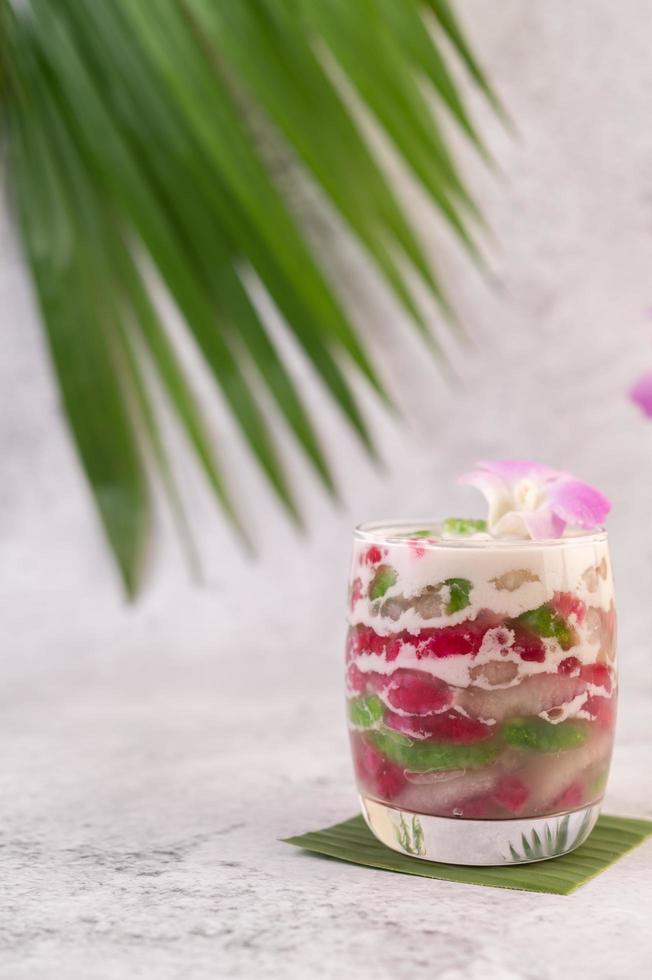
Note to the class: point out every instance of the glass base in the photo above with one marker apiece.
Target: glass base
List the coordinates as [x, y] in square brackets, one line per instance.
[451, 840]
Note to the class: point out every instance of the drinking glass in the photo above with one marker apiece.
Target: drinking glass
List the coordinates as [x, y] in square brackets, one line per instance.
[481, 690]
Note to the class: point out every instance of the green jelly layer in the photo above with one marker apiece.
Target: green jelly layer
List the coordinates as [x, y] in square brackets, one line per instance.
[598, 783]
[542, 736]
[463, 525]
[459, 590]
[383, 580]
[544, 621]
[424, 756]
[365, 711]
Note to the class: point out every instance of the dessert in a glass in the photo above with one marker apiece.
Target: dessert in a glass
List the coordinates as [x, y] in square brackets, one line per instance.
[481, 678]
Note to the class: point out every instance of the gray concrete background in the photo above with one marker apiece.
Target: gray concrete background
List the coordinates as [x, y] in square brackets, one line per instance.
[559, 335]
[119, 724]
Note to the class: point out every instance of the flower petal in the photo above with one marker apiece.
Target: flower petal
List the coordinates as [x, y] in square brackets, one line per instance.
[578, 503]
[511, 525]
[512, 470]
[641, 393]
[544, 523]
[495, 490]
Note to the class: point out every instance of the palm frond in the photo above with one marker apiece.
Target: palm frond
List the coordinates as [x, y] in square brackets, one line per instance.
[450, 25]
[132, 144]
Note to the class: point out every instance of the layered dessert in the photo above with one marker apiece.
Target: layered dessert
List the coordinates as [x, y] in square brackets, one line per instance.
[480, 673]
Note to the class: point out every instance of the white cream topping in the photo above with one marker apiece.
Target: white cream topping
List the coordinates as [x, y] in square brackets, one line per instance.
[581, 568]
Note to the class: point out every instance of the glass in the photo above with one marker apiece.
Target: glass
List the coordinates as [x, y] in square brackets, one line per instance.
[481, 690]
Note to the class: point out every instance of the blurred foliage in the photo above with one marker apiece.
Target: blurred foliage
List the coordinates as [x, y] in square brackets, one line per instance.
[130, 143]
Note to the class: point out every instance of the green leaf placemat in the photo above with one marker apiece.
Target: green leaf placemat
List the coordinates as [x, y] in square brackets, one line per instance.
[612, 837]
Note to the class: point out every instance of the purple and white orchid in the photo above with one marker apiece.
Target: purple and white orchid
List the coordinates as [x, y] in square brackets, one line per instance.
[531, 500]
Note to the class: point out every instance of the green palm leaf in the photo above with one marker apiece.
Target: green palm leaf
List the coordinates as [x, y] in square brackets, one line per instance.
[134, 143]
[448, 22]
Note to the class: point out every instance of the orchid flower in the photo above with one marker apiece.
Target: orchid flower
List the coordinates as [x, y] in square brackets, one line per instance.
[641, 393]
[531, 500]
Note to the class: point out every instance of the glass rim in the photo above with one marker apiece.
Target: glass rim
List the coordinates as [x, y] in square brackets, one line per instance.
[372, 531]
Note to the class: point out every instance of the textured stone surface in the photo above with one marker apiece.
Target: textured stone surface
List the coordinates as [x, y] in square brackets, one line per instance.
[152, 756]
[139, 837]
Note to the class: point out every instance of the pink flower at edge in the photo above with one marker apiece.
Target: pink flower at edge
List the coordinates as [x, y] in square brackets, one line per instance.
[576, 502]
[641, 393]
[532, 500]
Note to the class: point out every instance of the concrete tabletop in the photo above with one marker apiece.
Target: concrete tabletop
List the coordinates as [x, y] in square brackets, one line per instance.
[139, 837]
